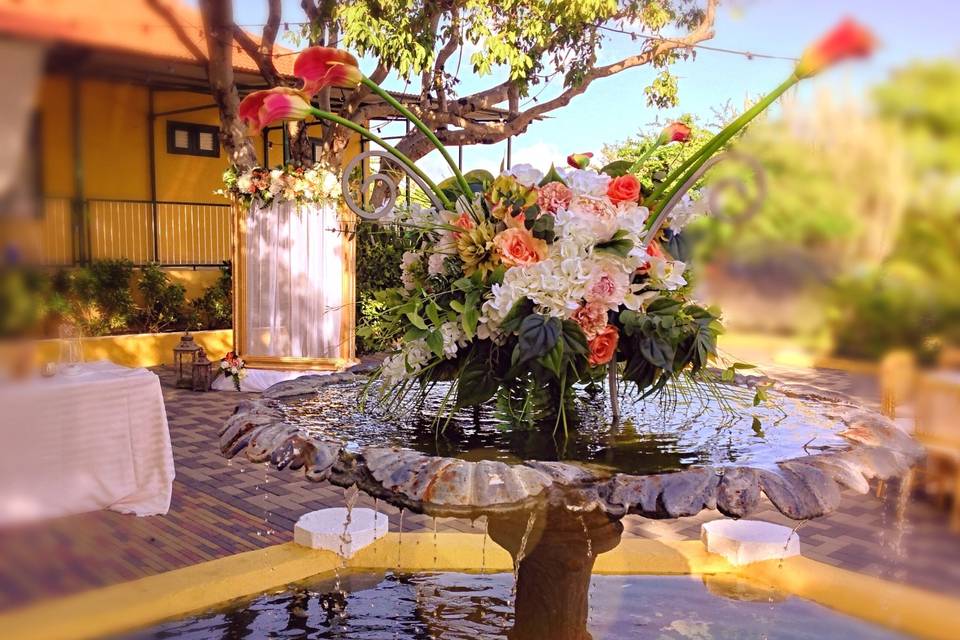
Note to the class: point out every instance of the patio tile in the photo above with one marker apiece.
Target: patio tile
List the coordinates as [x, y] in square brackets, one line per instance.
[224, 507]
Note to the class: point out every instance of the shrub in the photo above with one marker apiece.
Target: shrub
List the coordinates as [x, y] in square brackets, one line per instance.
[164, 302]
[214, 309]
[379, 250]
[99, 299]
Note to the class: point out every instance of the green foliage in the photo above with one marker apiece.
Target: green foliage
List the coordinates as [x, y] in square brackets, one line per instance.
[379, 250]
[527, 38]
[164, 302]
[99, 298]
[214, 309]
[911, 299]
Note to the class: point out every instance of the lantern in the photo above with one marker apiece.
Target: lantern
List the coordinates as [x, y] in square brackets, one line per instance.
[184, 355]
[201, 372]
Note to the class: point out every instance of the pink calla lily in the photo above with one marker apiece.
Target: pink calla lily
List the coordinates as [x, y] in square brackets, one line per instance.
[322, 67]
[263, 108]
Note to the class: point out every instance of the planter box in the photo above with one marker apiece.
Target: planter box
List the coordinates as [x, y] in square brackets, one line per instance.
[141, 349]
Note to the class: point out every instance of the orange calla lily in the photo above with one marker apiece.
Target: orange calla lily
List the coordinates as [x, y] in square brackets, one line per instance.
[847, 40]
[322, 67]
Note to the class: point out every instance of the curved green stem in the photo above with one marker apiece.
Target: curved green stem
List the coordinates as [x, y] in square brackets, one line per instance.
[393, 102]
[636, 166]
[679, 176]
[366, 133]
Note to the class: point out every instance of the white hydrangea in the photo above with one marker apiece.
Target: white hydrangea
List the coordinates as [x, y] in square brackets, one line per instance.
[686, 211]
[526, 174]
[588, 183]
[407, 262]
[454, 338]
[436, 264]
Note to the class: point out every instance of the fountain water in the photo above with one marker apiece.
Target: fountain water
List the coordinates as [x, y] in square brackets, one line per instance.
[560, 507]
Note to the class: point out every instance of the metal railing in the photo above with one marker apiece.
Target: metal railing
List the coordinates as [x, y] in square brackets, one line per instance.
[183, 234]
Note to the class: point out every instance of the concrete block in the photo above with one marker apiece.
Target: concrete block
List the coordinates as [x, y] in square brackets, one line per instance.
[328, 529]
[744, 541]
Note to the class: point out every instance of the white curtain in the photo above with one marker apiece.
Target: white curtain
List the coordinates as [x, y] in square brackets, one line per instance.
[295, 267]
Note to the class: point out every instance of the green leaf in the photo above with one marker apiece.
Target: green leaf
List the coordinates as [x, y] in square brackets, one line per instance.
[469, 320]
[574, 341]
[538, 334]
[553, 359]
[664, 306]
[543, 228]
[433, 313]
[476, 383]
[463, 284]
[520, 310]
[456, 305]
[621, 247]
[617, 168]
[435, 342]
[413, 334]
[657, 352]
[416, 320]
[552, 176]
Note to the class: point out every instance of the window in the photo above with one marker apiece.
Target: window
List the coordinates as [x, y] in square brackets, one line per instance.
[193, 139]
[317, 145]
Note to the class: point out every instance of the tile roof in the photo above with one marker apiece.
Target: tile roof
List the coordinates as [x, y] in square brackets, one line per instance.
[134, 26]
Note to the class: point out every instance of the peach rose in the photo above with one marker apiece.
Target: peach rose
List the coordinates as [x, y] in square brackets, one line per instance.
[603, 346]
[625, 188]
[554, 196]
[464, 222]
[592, 317]
[518, 248]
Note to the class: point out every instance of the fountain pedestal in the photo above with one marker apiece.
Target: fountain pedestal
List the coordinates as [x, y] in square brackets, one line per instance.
[554, 551]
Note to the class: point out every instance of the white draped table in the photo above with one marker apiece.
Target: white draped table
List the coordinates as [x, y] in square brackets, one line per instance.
[76, 443]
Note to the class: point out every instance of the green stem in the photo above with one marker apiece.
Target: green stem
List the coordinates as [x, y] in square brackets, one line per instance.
[349, 124]
[393, 102]
[636, 166]
[678, 177]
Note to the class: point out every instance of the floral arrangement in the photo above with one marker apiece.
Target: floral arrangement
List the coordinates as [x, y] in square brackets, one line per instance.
[232, 366]
[524, 284]
[288, 183]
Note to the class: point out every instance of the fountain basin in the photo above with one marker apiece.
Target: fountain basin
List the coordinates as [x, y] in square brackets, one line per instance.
[822, 443]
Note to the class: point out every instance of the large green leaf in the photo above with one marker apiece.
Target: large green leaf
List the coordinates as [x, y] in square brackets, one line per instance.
[617, 168]
[477, 382]
[538, 334]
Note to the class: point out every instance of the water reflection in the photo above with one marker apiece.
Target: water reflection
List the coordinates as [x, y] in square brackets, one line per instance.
[693, 425]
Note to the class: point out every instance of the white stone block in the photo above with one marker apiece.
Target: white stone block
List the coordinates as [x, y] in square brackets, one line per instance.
[744, 541]
[328, 529]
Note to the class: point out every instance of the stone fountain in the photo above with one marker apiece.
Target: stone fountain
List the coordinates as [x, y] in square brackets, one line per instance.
[556, 516]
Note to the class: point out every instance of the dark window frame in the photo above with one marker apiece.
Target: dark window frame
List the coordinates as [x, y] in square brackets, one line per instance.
[313, 147]
[193, 130]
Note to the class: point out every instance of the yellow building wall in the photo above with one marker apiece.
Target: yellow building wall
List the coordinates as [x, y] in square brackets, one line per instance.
[114, 174]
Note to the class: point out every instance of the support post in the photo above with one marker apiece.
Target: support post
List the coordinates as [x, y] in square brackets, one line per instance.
[509, 152]
[614, 392]
[152, 164]
[78, 214]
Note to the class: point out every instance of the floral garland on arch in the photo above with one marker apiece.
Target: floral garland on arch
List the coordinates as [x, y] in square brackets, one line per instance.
[302, 185]
[524, 284]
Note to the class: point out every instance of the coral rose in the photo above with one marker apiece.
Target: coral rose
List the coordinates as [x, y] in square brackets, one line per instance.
[625, 188]
[591, 317]
[463, 221]
[603, 346]
[518, 248]
[554, 197]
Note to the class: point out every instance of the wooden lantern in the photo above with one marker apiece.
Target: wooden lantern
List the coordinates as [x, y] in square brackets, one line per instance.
[201, 372]
[184, 355]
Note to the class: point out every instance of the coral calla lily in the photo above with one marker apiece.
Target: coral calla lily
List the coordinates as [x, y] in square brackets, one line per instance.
[847, 40]
[263, 108]
[579, 160]
[675, 132]
[322, 67]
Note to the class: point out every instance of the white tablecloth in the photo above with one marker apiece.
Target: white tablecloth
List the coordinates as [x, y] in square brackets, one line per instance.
[77, 443]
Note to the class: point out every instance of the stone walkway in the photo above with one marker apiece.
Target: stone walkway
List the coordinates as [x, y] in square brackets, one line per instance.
[224, 507]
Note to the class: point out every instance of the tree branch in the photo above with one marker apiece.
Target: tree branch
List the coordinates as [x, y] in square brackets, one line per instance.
[262, 54]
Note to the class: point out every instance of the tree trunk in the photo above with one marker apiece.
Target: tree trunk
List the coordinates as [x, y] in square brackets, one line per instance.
[218, 26]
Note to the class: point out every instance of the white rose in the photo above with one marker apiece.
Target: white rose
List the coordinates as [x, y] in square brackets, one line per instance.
[233, 371]
[526, 174]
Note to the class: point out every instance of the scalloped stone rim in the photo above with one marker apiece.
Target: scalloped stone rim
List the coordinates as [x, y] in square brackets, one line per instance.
[800, 488]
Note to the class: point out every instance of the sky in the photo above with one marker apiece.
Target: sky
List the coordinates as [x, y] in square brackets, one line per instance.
[615, 107]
